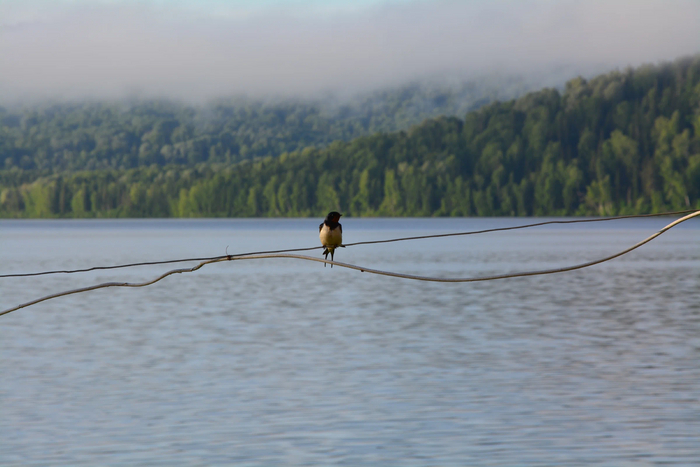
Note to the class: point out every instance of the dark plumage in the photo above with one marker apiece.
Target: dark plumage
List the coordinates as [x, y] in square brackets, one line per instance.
[331, 234]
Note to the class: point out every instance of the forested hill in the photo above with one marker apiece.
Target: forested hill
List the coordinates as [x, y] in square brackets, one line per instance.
[623, 142]
[121, 135]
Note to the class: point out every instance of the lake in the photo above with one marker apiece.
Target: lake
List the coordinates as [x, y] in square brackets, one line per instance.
[285, 362]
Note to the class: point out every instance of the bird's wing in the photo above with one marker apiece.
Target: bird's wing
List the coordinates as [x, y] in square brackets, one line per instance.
[320, 227]
[340, 226]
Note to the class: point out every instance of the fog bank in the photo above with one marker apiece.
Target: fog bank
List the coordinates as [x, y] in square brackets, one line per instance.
[110, 50]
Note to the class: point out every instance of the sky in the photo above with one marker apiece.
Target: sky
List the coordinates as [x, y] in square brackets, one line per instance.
[66, 49]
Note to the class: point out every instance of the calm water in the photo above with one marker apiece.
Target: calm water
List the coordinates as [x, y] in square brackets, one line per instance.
[284, 362]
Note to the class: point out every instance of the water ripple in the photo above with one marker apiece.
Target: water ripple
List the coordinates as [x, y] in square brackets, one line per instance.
[281, 362]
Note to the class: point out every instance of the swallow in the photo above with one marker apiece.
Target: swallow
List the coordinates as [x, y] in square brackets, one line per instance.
[331, 234]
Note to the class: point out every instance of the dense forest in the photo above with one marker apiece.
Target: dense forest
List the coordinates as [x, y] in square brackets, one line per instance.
[122, 135]
[624, 142]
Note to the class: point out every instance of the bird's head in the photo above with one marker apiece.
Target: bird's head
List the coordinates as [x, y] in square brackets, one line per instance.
[333, 216]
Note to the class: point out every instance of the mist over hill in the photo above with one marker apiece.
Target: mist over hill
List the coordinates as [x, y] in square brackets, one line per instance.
[194, 51]
[623, 142]
[89, 135]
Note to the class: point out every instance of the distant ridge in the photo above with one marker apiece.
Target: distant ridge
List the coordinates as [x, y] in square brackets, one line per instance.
[620, 143]
[124, 134]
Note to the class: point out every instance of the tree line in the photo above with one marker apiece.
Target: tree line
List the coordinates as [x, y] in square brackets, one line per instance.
[624, 142]
[122, 135]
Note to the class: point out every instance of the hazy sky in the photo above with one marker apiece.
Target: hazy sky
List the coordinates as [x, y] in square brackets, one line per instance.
[198, 49]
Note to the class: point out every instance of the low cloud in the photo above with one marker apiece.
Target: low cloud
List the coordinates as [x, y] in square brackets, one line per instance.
[81, 49]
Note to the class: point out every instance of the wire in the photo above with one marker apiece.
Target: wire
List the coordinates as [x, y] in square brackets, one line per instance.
[358, 268]
[151, 263]
[517, 227]
[371, 242]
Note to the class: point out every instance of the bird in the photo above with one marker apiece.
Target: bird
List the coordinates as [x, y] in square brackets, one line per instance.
[331, 234]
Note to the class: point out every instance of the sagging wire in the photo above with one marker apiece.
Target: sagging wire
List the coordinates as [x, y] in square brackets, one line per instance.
[371, 242]
[359, 268]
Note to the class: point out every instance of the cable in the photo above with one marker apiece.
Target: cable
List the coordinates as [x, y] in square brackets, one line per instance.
[151, 263]
[358, 268]
[371, 242]
[517, 227]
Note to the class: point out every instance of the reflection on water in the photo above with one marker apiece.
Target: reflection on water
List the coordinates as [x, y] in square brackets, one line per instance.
[285, 362]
